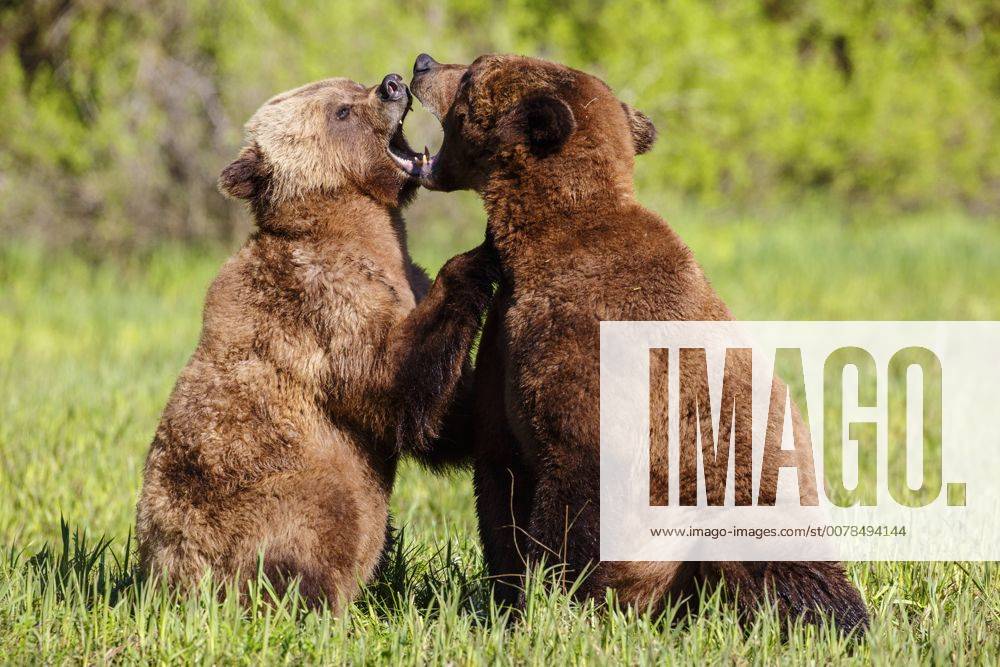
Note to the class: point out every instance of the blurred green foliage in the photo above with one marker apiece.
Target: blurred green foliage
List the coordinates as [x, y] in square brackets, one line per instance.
[117, 117]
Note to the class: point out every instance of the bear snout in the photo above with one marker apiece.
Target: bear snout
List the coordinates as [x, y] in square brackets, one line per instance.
[392, 88]
[423, 63]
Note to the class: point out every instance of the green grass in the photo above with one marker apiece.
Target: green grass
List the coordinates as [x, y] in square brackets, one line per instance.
[89, 352]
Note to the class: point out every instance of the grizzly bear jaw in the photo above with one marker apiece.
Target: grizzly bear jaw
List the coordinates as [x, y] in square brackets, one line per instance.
[415, 165]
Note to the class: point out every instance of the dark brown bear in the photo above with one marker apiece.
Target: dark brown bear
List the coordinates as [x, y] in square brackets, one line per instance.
[550, 151]
[316, 366]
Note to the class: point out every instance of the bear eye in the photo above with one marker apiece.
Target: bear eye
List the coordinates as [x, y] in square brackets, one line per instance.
[343, 112]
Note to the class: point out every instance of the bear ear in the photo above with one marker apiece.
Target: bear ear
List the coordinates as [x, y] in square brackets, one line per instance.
[643, 130]
[245, 176]
[543, 121]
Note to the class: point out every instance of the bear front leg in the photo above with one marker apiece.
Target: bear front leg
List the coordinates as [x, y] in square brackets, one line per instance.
[452, 448]
[431, 348]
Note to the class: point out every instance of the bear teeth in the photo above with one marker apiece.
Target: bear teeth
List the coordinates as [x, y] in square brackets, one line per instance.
[418, 166]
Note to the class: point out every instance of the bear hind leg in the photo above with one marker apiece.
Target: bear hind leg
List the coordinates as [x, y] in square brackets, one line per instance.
[809, 591]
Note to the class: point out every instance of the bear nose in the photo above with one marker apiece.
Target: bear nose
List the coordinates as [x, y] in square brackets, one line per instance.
[423, 63]
[391, 88]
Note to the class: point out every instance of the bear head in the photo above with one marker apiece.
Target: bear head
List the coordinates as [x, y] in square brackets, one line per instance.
[329, 138]
[507, 114]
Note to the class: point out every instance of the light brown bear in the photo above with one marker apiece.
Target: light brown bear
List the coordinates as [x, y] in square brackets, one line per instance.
[316, 367]
[550, 151]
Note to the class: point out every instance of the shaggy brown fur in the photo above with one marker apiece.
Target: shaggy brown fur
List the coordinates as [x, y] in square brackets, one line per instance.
[316, 367]
[550, 150]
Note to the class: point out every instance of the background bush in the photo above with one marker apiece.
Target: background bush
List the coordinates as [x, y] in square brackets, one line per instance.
[117, 117]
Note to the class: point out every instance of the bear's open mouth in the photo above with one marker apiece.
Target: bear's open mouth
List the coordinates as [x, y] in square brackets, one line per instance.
[413, 164]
